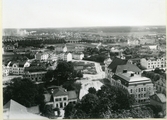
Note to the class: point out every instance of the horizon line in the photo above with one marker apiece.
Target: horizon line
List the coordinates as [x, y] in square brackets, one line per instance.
[84, 27]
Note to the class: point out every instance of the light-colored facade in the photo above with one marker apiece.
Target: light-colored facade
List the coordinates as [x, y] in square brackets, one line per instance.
[61, 48]
[77, 56]
[65, 56]
[140, 87]
[9, 48]
[160, 85]
[16, 69]
[5, 71]
[60, 101]
[41, 56]
[152, 63]
[34, 76]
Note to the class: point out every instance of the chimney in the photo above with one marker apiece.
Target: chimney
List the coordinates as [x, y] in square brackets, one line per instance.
[125, 71]
[132, 74]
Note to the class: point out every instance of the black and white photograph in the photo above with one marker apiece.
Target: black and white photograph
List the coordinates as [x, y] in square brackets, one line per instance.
[83, 59]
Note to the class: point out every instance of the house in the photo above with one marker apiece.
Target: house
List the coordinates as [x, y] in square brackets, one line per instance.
[159, 100]
[151, 46]
[79, 48]
[140, 87]
[14, 110]
[16, 68]
[36, 76]
[65, 56]
[133, 42]
[5, 70]
[59, 97]
[9, 48]
[107, 63]
[77, 56]
[42, 56]
[153, 62]
[61, 48]
[160, 85]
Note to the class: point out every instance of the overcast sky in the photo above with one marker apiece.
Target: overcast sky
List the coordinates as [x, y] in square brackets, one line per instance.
[82, 13]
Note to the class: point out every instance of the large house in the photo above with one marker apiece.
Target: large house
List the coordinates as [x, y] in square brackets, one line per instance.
[140, 87]
[59, 97]
[14, 110]
[152, 62]
[9, 48]
[77, 56]
[65, 56]
[61, 48]
[41, 56]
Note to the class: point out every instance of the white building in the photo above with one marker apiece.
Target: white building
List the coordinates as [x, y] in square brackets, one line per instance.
[77, 56]
[152, 63]
[140, 87]
[41, 56]
[65, 56]
[61, 48]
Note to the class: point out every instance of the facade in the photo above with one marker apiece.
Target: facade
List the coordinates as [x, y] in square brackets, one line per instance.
[159, 100]
[107, 63]
[77, 56]
[34, 76]
[61, 48]
[9, 48]
[41, 56]
[5, 71]
[152, 63]
[160, 85]
[133, 42]
[79, 49]
[59, 97]
[65, 56]
[140, 87]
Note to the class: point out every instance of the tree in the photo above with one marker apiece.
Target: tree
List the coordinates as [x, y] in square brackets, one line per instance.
[92, 90]
[24, 91]
[48, 112]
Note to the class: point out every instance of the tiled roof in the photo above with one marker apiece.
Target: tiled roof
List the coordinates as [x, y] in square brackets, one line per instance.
[116, 61]
[72, 95]
[60, 92]
[128, 67]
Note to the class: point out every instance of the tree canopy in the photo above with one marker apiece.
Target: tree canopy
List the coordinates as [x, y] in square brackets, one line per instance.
[24, 91]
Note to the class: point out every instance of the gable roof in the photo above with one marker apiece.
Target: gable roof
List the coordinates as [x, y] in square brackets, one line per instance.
[128, 67]
[14, 110]
[59, 92]
[116, 61]
[72, 95]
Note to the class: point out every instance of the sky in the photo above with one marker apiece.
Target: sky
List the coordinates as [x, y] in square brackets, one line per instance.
[82, 13]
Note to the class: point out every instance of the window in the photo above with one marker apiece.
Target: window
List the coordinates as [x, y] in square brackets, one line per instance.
[57, 99]
[136, 90]
[131, 90]
[144, 95]
[144, 89]
[64, 98]
[141, 89]
[139, 95]
[64, 104]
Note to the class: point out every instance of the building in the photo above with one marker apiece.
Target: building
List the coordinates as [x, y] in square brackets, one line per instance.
[14, 110]
[107, 63]
[41, 56]
[5, 70]
[133, 42]
[65, 56]
[59, 97]
[61, 48]
[160, 85]
[9, 48]
[152, 62]
[151, 46]
[79, 48]
[35, 76]
[140, 87]
[159, 100]
[16, 68]
[77, 56]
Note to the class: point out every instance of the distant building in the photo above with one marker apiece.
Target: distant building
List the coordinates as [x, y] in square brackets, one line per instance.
[107, 63]
[77, 56]
[41, 56]
[5, 70]
[151, 46]
[61, 48]
[79, 48]
[9, 48]
[35, 76]
[159, 100]
[133, 42]
[152, 62]
[140, 87]
[65, 56]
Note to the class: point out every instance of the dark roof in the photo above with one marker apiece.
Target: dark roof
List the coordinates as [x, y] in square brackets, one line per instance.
[116, 61]
[60, 92]
[72, 95]
[160, 96]
[128, 67]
